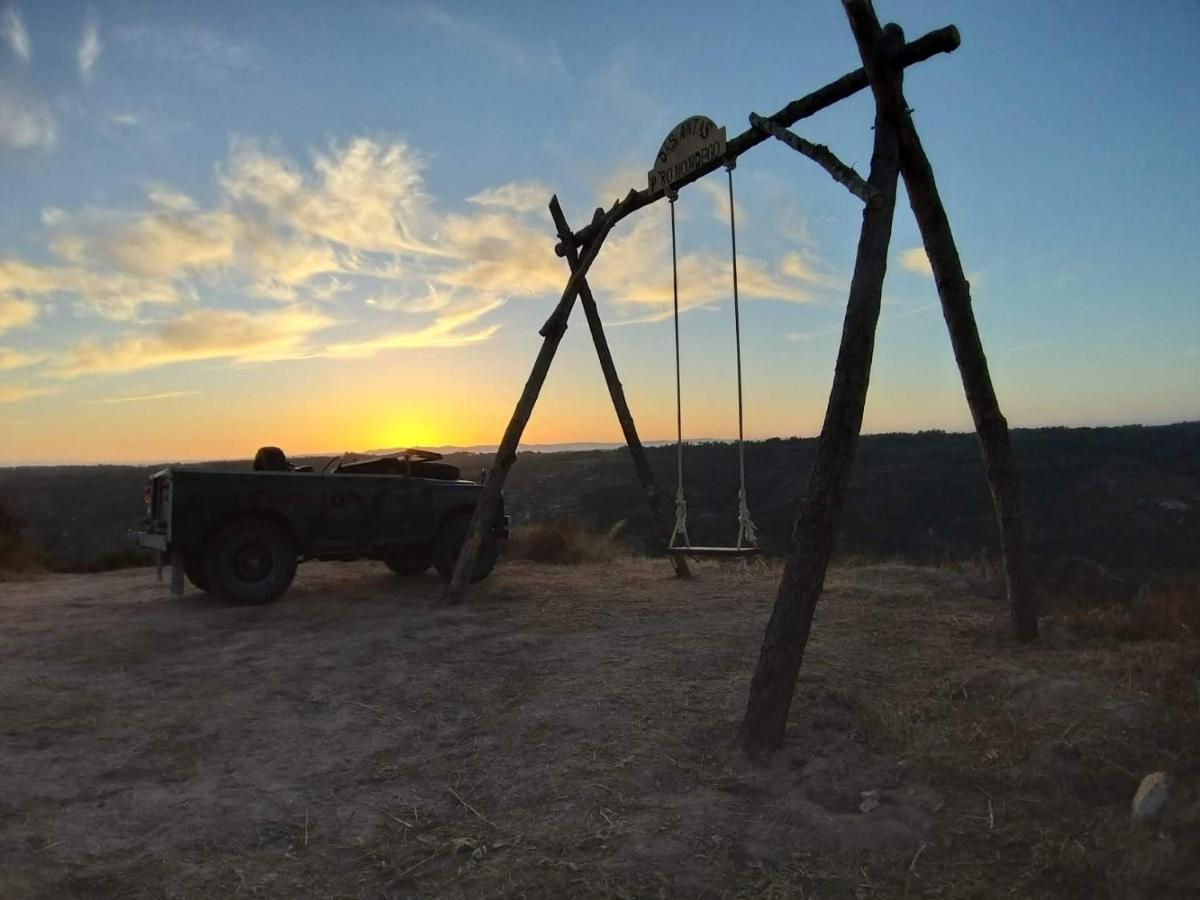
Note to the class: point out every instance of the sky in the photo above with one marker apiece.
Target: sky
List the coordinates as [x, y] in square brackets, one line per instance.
[324, 226]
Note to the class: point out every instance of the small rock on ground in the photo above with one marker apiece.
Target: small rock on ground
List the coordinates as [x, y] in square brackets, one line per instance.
[1150, 797]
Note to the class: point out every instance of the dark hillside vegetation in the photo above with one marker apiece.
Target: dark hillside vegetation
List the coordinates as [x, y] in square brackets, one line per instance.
[1122, 500]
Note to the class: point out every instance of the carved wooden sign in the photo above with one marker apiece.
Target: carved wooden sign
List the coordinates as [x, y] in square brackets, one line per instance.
[692, 143]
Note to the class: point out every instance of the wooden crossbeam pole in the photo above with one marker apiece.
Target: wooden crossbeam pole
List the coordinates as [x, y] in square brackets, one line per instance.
[487, 507]
[943, 40]
[822, 156]
[955, 294]
[815, 531]
[616, 391]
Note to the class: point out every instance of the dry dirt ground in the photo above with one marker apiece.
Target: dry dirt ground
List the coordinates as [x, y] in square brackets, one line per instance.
[568, 733]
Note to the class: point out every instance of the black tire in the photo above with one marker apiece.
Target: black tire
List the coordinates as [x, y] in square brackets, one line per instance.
[411, 563]
[251, 560]
[450, 540]
[193, 568]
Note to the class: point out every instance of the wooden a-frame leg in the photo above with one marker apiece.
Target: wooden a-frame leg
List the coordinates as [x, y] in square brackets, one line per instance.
[955, 294]
[487, 507]
[645, 474]
[815, 531]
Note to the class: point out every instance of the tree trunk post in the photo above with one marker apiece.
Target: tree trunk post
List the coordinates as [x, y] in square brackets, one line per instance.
[488, 504]
[617, 392]
[815, 530]
[955, 294]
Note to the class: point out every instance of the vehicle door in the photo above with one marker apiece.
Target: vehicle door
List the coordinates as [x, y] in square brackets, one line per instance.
[346, 513]
[404, 511]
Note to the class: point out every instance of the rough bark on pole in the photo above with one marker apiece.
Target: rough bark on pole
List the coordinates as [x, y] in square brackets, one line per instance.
[821, 155]
[488, 504]
[943, 40]
[616, 391]
[955, 294]
[815, 531]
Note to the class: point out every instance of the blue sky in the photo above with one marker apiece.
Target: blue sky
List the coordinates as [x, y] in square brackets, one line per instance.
[323, 225]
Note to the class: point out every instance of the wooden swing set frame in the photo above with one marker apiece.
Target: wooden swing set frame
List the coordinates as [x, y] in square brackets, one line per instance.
[897, 152]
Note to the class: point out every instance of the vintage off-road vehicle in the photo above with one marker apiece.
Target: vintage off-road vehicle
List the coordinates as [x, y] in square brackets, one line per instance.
[241, 534]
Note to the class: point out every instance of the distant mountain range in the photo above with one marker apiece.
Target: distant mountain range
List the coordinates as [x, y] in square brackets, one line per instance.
[569, 447]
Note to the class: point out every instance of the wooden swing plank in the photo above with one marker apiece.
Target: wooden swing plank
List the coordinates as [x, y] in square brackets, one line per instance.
[714, 551]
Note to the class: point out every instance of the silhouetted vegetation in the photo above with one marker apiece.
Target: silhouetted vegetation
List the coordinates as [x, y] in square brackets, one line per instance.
[16, 554]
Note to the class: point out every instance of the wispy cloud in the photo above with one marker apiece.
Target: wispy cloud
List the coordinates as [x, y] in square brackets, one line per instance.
[15, 312]
[12, 30]
[15, 393]
[914, 260]
[26, 123]
[207, 54]
[450, 329]
[814, 334]
[165, 395]
[893, 311]
[518, 56]
[362, 194]
[89, 49]
[635, 269]
[519, 196]
[351, 240]
[197, 335]
[155, 244]
[17, 359]
[112, 295]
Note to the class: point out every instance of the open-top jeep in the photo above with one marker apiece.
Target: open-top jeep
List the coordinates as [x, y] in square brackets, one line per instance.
[241, 534]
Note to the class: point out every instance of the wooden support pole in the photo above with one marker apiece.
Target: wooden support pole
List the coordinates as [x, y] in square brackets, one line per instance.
[943, 40]
[816, 526]
[488, 504]
[821, 155]
[616, 391]
[955, 294]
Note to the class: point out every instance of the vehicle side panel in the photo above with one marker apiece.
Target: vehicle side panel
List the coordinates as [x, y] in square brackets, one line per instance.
[329, 515]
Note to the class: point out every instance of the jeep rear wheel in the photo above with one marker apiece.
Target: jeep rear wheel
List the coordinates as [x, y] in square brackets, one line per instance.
[251, 561]
[449, 542]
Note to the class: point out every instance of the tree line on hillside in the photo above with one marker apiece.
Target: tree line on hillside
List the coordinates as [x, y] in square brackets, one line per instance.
[1127, 498]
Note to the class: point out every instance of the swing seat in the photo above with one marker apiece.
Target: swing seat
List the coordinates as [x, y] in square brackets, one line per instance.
[734, 552]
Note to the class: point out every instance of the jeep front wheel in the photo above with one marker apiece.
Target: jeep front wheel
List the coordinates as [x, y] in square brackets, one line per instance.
[450, 540]
[251, 561]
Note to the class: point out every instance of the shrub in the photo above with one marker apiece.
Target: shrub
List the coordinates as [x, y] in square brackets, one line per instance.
[16, 554]
[566, 542]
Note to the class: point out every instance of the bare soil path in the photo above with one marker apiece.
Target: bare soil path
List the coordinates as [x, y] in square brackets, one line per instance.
[569, 733]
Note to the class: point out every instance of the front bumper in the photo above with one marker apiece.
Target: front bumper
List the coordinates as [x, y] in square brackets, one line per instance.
[151, 540]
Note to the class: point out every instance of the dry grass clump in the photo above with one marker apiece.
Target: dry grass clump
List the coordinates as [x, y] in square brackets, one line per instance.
[1167, 611]
[566, 542]
[1160, 628]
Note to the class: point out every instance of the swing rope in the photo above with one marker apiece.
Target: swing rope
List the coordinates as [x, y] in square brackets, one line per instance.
[747, 537]
[746, 530]
[680, 529]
